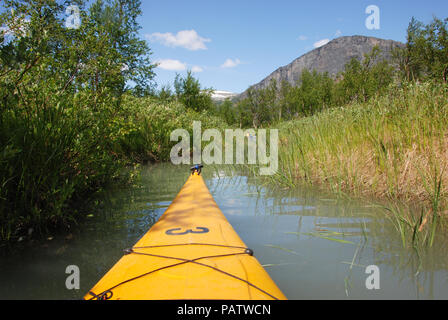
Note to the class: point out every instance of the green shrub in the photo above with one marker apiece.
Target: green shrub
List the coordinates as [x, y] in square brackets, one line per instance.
[146, 125]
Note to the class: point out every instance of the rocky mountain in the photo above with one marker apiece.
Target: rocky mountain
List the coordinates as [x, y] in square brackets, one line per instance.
[330, 58]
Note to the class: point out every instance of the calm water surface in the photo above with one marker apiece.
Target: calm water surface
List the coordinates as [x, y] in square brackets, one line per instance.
[313, 246]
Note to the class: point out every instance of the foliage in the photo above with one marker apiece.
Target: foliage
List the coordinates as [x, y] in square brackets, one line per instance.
[363, 79]
[426, 53]
[425, 57]
[314, 92]
[189, 93]
[60, 93]
[79, 105]
[392, 147]
[145, 125]
[225, 111]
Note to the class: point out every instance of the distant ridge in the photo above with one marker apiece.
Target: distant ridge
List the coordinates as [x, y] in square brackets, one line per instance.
[331, 57]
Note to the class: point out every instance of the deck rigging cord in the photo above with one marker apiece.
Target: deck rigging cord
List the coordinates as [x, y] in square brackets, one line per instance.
[107, 294]
[231, 246]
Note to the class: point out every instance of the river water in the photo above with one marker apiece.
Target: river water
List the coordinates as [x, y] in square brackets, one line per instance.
[314, 246]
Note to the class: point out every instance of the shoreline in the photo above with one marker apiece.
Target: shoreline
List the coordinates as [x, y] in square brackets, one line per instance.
[393, 148]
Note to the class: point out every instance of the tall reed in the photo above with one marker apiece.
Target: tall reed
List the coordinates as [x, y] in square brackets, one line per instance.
[393, 147]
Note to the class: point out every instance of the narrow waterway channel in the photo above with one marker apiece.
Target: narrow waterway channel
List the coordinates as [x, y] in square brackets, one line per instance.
[313, 246]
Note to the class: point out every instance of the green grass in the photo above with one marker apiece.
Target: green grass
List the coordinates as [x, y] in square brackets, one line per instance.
[393, 147]
[54, 158]
[145, 125]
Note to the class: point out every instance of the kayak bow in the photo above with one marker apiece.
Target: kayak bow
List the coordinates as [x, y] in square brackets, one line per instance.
[192, 252]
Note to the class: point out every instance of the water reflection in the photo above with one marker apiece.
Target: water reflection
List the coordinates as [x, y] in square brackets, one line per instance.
[313, 246]
[338, 237]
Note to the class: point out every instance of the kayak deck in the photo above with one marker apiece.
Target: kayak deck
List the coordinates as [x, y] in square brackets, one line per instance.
[192, 252]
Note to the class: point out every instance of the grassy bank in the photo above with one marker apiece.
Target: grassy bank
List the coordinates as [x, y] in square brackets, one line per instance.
[145, 124]
[393, 147]
[56, 157]
[69, 122]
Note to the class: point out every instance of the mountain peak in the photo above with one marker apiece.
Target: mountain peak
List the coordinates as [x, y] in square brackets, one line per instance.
[331, 57]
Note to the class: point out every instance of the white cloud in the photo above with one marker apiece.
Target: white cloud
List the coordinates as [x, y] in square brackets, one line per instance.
[302, 38]
[338, 33]
[172, 65]
[188, 39]
[197, 69]
[321, 43]
[229, 63]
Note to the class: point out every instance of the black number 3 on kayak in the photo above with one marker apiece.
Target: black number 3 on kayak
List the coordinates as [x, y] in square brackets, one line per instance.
[192, 252]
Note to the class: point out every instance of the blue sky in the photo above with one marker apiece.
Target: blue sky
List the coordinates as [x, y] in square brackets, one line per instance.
[260, 36]
[230, 45]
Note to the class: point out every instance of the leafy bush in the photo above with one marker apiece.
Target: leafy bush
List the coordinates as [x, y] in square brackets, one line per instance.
[189, 93]
[146, 125]
[60, 91]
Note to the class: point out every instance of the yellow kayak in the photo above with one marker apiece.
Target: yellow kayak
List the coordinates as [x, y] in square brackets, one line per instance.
[192, 252]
